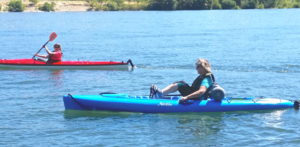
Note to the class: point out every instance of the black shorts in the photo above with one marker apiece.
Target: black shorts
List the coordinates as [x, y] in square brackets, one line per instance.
[184, 88]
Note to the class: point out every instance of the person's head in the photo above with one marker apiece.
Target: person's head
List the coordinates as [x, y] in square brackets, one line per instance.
[203, 66]
[57, 47]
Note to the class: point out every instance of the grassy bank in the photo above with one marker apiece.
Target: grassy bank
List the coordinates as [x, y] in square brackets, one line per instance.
[116, 5]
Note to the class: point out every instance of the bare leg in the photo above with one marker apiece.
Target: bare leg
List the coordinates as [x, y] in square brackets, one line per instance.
[169, 89]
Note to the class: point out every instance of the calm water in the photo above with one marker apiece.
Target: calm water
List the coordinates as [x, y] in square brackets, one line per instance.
[253, 53]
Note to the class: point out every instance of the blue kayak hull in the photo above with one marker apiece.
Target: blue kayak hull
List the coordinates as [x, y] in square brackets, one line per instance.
[143, 104]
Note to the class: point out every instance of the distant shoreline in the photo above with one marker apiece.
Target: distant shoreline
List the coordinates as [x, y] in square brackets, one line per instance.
[134, 5]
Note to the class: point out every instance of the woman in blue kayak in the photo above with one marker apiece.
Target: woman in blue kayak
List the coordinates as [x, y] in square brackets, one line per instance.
[198, 89]
[54, 56]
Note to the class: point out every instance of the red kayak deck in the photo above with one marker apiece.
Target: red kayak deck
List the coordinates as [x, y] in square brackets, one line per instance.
[32, 63]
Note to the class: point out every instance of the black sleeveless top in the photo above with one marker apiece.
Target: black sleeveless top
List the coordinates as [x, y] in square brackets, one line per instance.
[197, 83]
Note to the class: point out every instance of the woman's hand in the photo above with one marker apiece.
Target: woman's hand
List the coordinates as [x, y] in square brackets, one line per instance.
[183, 99]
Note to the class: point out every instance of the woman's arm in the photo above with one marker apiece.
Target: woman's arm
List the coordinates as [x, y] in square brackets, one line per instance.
[206, 82]
[42, 56]
[195, 94]
[48, 51]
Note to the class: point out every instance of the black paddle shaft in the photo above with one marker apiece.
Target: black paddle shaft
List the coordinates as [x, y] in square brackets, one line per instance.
[40, 49]
[52, 36]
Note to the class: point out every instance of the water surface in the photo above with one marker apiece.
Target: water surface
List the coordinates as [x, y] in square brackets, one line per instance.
[253, 53]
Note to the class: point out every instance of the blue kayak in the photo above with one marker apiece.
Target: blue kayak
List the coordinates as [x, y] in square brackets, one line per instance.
[144, 104]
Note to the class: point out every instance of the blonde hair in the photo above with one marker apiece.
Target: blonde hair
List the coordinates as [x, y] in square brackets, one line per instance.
[203, 63]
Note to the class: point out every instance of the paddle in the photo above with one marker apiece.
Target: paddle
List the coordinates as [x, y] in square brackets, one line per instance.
[52, 36]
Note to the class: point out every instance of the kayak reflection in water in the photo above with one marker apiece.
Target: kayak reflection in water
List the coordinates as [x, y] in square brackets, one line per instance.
[198, 89]
[52, 57]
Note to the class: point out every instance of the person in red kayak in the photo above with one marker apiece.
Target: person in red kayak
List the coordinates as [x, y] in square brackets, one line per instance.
[54, 56]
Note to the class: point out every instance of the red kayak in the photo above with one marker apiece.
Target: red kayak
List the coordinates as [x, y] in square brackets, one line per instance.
[36, 64]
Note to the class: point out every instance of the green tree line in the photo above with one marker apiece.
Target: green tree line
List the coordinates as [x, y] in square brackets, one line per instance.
[221, 4]
[18, 6]
[191, 4]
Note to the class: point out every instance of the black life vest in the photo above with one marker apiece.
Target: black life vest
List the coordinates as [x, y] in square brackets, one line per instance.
[197, 83]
